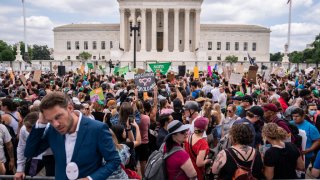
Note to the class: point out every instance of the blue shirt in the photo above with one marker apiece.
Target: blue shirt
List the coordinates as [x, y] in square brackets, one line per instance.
[311, 132]
[317, 161]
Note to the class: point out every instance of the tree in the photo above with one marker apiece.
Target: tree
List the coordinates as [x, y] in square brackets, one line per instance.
[231, 59]
[296, 57]
[7, 55]
[276, 56]
[85, 56]
[40, 52]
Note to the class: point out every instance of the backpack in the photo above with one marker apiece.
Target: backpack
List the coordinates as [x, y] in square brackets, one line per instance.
[156, 165]
[243, 173]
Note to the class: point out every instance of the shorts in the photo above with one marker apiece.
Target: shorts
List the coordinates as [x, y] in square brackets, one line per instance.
[142, 152]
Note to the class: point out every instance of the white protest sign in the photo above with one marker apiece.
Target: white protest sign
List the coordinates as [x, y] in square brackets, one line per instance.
[129, 75]
[235, 78]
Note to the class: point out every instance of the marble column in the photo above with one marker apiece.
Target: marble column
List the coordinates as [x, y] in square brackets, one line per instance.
[143, 29]
[186, 29]
[165, 29]
[122, 29]
[154, 30]
[176, 30]
[133, 19]
[197, 29]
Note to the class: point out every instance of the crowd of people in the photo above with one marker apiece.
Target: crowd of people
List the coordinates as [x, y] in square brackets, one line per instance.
[212, 129]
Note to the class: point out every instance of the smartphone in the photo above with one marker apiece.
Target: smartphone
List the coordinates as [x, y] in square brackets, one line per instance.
[131, 119]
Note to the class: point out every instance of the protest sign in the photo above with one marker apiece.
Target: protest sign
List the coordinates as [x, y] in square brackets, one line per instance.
[129, 75]
[96, 94]
[90, 65]
[55, 67]
[140, 71]
[235, 79]
[239, 69]
[252, 74]
[163, 67]
[144, 82]
[121, 71]
[23, 79]
[196, 72]
[37, 75]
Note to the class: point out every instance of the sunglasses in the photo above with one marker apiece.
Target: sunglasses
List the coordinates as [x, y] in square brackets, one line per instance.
[87, 108]
[230, 111]
[183, 132]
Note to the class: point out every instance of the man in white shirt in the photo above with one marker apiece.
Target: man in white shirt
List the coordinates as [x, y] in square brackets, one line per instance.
[215, 93]
[222, 100]
[73, 139]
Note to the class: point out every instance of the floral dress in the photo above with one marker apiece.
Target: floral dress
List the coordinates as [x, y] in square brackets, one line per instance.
[125, 157]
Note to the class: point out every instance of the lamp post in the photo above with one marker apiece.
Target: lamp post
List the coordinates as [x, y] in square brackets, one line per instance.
[134, 28]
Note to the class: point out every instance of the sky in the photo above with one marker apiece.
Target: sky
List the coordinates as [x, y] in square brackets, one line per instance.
[43, 15]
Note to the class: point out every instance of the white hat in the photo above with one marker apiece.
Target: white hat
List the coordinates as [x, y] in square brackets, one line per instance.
[76, 101]
[36, 103]
[176, 126]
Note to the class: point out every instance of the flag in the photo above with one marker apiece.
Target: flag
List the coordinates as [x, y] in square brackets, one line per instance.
[121, 71]
[288, 1]
[215, 67]
[251, 60]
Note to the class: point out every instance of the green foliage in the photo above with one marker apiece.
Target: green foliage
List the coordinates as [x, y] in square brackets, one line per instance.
[85, 56]
[7, 55]
[276, 56]
[231, 59]
[40, 52]
[296, 57]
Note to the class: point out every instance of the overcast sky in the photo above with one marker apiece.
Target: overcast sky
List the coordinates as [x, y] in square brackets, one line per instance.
[44, 15]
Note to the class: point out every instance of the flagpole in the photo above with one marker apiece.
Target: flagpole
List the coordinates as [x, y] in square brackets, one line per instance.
[289, 25]
[24, 28]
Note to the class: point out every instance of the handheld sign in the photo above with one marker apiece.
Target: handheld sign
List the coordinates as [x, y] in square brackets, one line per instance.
[96, 94]
[144, 82]
[23, 79]
[37, 75]
[252, 74]
[196, 72]
[235, 79]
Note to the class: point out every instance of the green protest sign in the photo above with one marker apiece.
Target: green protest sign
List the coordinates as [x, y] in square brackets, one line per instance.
[90, 65]
[162, 67]
[121, 71]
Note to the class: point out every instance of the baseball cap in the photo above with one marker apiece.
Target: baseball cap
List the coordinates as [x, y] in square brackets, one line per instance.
[256, 110]
[270, 107]
[201, 123]
[247, 98]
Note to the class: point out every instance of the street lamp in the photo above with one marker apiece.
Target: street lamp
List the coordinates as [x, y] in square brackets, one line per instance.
[134, 28]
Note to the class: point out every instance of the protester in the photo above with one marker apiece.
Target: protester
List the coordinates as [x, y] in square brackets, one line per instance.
[197, 147]
[313, 136]
[281, 154]
[179, 164]
[240, 153]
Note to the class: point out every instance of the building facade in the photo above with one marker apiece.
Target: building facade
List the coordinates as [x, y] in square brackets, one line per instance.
[170, 30]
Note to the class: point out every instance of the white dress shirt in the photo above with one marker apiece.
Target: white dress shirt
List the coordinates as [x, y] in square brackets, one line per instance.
[70, 141]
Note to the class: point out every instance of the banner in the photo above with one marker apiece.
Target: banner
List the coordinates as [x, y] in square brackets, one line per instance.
[162, 67]
[144, 82]
[90, 65]
[129, 75]
[121, 71]
[96, 94]
[196, 72]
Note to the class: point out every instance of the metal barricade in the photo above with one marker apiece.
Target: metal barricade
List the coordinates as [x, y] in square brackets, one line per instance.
[9, 177]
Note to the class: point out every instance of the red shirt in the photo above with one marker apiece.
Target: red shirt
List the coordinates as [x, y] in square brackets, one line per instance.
[174, 163]
[283, 104]
[200, 145]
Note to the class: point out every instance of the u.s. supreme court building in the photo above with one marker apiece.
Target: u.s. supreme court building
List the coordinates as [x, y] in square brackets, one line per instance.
[170, 31]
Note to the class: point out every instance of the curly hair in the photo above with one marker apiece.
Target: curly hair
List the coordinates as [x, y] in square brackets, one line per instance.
[241, 134]
[275, 132]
